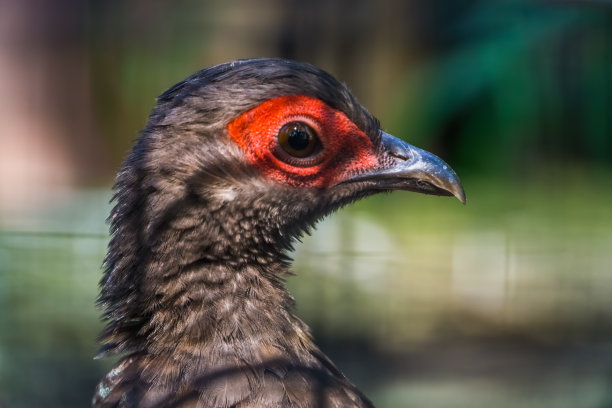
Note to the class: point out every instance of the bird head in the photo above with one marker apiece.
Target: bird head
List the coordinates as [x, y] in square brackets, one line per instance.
[237, 161]
[258, 150]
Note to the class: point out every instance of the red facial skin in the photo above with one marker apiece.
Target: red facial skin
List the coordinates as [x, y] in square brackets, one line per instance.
[346, 150]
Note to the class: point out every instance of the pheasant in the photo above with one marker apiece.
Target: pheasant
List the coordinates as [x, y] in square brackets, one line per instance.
[235, 163]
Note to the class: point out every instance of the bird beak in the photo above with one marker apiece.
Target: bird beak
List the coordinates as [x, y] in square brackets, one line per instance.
[406, 167]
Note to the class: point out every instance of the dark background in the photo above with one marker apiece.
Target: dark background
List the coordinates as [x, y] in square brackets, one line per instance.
[505, 302]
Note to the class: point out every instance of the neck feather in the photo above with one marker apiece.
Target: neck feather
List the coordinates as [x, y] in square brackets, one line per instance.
[193, 285]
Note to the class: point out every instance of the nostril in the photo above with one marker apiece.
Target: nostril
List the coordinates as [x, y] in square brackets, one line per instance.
[395, 151]
[395, 147]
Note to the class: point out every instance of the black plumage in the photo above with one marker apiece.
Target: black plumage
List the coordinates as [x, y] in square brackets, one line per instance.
[193, 289]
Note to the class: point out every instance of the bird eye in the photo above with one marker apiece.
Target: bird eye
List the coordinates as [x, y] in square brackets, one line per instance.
[298, 140]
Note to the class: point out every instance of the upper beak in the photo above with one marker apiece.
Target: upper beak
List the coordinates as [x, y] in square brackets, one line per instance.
[405, 167]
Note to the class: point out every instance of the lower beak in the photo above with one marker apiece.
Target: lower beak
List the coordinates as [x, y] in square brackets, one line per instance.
[405, 167]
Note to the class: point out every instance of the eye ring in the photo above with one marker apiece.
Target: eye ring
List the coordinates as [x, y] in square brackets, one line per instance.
[298, 144]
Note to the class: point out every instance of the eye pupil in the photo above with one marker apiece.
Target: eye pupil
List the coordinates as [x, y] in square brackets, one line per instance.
[299, 139]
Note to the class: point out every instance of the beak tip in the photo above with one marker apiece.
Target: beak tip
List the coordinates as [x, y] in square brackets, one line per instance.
[460, 194]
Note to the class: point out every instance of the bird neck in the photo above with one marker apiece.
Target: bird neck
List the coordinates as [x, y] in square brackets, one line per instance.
[190, 289]
[225, 312]
[213, 318]
[194, 278]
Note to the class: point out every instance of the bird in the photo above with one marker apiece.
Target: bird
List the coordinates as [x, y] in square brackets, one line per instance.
[234, 165]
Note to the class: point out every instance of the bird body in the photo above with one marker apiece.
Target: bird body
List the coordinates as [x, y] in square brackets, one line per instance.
[235, 163]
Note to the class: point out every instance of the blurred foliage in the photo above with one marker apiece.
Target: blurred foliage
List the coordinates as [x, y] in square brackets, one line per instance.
[521, 86]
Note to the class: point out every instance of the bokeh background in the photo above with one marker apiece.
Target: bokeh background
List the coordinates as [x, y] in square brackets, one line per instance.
[504, 302]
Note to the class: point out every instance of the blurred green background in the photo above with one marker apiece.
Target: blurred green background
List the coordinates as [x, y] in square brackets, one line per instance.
[504, 302]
